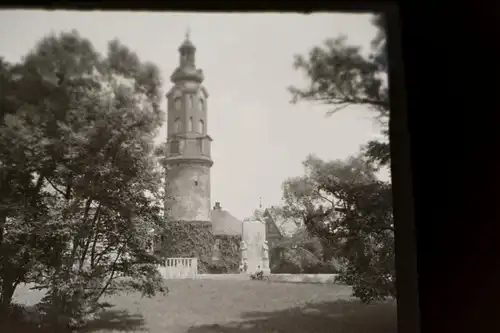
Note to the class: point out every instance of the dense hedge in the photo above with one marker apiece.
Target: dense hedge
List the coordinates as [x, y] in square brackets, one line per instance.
[195, 239]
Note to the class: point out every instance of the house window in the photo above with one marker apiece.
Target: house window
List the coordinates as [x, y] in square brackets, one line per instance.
[177, 125]
[190, 124]
[201, 127]
[174, 147]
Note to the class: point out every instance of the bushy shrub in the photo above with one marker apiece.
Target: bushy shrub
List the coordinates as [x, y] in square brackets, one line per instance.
[300, 260]
[217, 267]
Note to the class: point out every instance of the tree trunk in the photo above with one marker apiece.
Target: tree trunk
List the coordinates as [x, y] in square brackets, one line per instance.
[8, 288]
[3, 220]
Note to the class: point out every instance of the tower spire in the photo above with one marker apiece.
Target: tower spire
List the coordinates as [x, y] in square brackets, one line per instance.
[187, 64]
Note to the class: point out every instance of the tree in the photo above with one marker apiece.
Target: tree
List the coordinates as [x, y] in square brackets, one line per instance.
[301, 252]
[22, 209]
[298, 251]
[350, 211]
[90, 122]
[341, 76]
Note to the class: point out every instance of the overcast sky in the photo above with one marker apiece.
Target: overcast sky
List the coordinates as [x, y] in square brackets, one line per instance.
[260, 139]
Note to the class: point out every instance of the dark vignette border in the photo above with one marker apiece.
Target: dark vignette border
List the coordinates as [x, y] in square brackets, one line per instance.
[438, 224]
[408, 314]
[402, 183]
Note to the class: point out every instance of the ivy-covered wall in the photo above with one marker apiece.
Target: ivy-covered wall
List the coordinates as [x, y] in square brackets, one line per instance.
[188, 240]
[216, 254]
[227, 255]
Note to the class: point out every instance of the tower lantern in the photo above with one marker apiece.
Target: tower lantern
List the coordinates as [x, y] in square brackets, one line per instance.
[187, 52]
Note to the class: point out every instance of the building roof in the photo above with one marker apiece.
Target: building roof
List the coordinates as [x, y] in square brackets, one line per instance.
[286, 226]
[187, 45]
[223, 223]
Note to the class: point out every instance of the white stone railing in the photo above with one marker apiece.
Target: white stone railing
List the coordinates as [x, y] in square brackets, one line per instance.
[179, 268]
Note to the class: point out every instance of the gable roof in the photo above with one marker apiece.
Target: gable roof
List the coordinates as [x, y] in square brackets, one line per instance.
[223, 223]
[287, 226]
[272, 230]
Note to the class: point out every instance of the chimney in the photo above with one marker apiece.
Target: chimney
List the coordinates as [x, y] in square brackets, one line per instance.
[217, 206]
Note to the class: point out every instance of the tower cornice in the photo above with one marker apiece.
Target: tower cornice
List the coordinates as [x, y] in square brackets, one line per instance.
[187, 74]
[206, 161]
[188, 87]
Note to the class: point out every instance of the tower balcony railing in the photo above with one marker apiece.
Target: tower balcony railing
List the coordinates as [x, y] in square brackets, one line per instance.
[195, 148]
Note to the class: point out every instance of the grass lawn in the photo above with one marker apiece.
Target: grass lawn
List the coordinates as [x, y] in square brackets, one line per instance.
[226, 306]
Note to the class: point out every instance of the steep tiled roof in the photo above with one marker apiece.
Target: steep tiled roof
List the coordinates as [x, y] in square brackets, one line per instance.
[272, 230]
[223, 223]
[286, 226]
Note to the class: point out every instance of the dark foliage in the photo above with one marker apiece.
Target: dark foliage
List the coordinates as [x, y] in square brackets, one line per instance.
[79, 182]
[340, 76]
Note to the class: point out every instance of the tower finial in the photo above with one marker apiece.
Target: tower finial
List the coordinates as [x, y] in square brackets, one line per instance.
[188, 32]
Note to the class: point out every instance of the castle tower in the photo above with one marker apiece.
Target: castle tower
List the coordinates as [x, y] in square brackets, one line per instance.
[188, 158]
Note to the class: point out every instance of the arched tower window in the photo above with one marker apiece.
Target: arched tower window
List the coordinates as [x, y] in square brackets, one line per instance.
[184, 58]
[190, 58]
[177, 103]
[190, 124]
[201, 127]
[199, 141]
[190, 102]
[175, 147]
[177, 125]
[202, 104]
